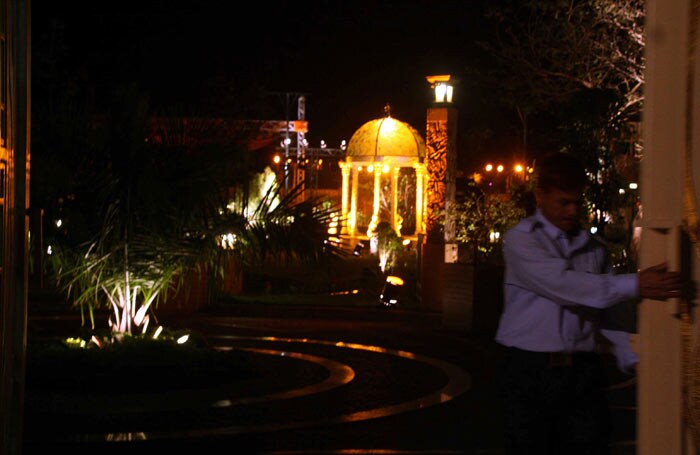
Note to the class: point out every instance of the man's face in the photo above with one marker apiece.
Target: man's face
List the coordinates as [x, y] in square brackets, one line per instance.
[562, 208]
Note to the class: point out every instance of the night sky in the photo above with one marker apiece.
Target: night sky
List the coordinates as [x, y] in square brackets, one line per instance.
[348, 57]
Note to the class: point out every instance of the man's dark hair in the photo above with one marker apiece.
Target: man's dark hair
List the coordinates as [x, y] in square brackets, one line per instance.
[561, 171]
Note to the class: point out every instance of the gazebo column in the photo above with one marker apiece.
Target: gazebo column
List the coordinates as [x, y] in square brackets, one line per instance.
[374, 222]
[352, 220]
[420, 199]
[372, 229]
[396, 220]
[345, 170]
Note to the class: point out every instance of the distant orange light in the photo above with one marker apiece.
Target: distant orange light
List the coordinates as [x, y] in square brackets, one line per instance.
[500, 168]
[276, 159]
[518, 168]
[489, 167]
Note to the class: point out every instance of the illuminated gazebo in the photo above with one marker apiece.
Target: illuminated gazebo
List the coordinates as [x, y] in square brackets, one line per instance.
[382, 147]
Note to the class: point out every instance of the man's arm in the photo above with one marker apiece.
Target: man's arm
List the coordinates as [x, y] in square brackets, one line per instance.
[534, 267]
[533, 264]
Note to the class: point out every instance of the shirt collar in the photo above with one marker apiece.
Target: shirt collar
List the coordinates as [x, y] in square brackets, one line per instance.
[577, 240]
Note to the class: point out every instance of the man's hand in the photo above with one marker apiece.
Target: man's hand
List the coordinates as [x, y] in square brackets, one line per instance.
[657, 283]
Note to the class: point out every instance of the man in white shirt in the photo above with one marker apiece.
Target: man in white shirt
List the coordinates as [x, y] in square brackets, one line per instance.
[558, 289]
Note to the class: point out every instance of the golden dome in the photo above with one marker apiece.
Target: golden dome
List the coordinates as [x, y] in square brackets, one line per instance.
[386, 137]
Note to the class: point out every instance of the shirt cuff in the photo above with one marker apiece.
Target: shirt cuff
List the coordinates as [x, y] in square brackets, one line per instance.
[626, 361]
[625, 357]
[627, 286]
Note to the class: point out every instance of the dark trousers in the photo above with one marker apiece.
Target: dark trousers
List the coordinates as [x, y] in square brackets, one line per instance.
[554, 404]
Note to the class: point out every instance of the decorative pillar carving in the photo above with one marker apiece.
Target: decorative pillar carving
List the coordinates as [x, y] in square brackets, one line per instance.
[436, 167]
[441, 161]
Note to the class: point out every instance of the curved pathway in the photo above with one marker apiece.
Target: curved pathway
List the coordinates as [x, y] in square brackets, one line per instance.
[358, 380]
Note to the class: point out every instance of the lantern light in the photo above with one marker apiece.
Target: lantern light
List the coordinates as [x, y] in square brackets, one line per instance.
[443, 86]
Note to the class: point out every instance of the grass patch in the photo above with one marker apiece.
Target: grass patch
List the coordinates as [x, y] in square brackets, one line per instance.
[136, 363]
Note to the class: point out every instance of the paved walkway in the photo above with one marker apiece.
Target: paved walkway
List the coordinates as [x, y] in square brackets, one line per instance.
[355, 380]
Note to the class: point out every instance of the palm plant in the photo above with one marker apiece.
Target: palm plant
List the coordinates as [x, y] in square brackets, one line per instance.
[170, 199]
[389, 244]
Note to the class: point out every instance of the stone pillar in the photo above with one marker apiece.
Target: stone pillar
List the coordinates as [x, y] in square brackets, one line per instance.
[441, 156]
[455, 299]
[661, 427]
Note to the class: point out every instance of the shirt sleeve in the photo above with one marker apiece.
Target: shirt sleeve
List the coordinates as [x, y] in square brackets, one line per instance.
[534, 265]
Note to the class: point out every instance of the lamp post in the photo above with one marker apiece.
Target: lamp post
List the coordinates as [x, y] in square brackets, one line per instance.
[456, 280]
[441, 161]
